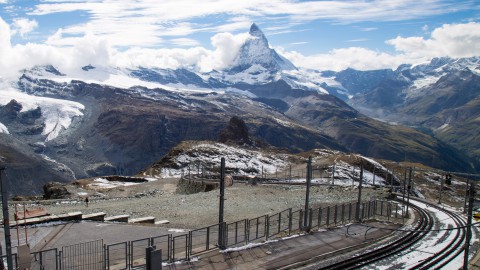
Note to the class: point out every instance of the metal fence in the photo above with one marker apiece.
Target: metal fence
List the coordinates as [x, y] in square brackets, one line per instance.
[132, 254]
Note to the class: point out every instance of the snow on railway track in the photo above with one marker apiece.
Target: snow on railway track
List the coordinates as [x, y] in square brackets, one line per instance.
[440, 248]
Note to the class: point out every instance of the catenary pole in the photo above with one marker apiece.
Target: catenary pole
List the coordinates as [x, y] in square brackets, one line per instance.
[408, 189]
[359, 202]
[307, 194]
[469, 225]
[6, 221]
[221, 231]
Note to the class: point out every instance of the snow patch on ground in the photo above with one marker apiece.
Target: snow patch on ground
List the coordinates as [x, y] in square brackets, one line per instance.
[425, 81]
[3, 129]
[252, 245]
[63, 167]
[432, 244]
[241, 159]
[103, 183]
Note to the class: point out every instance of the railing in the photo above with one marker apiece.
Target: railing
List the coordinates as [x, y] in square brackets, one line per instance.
[132, 255]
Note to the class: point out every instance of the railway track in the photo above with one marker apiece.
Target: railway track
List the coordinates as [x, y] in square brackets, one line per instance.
[452, 249]
[424, 224]
[450, 245]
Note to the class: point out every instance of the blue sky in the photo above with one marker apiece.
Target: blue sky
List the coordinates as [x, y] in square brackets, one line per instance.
[309, 33]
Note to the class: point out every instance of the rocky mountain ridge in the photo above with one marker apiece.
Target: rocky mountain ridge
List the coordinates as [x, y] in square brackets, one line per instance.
[119, 121]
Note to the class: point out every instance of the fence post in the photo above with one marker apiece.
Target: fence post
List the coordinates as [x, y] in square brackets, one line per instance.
[208, 238]
[190, 244]
[105, 257]
[169, 247]
[236, 233]
[319, 217]
[350, 212]
[300, 219]
[389, 211]
[290, 221]
[279, 221]
[60, 254]
[343, 213]
[327, 222]
[335, 215]
[247, 231]
[267, 226]
[310, 219]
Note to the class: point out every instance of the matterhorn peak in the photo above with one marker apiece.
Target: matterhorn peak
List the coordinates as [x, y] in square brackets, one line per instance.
[256, 51]
[255, 31]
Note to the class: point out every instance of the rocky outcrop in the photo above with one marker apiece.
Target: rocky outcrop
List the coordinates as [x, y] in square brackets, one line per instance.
[10, 111]
[55, 190]
[187, 186]
[236, 132]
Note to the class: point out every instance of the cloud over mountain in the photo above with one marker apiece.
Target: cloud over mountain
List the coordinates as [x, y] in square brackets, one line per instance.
[454, 40]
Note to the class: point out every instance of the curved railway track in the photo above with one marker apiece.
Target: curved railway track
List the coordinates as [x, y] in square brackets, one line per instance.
[451, 250]
[452, 247]
[424, 224]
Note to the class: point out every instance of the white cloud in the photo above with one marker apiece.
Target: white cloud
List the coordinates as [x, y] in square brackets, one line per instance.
[340, 59]
[458, 40]
[23, 26]
[149, 20]
[358, 40]
[187, 42]
[454, 40]
[5, 44]
[88, 49]
[226, 48]
[368, 29]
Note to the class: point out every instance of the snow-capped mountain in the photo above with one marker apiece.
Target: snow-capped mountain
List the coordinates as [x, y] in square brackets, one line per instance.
[256, 54]
[440, 97]
[107, 120]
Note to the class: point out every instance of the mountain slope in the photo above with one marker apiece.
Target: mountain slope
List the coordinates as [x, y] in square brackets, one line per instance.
[439, 97]
[104, 120]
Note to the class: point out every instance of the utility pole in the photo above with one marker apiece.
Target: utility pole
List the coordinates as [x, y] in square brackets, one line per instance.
[391, 179]
[403, 198]
[6, 221]
[408, 189]
[307, 195]
[373, 175]
[333, 175]
[359, 202]
[221, 223]
[466, 196]
[469, 225]
[441, 189]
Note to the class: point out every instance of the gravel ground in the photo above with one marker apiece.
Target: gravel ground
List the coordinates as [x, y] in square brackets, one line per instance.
[158, 199]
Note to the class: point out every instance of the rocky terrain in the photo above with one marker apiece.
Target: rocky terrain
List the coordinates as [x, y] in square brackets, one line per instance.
[106, 120]
[155, 191]
[159, 199]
